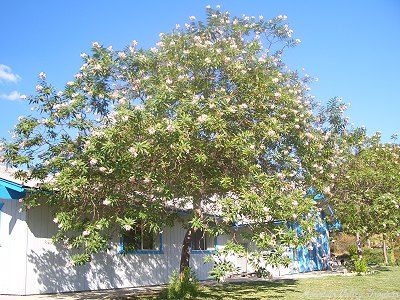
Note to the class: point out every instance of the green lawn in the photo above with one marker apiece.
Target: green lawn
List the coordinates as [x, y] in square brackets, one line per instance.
[383, 284]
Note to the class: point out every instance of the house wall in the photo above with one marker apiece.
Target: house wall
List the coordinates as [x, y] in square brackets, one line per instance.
[13, 237]
[32, 264]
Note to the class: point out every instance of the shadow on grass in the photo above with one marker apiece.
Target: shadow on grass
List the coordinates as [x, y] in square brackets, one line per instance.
[255, 290]
[252, 290]
[381, 268]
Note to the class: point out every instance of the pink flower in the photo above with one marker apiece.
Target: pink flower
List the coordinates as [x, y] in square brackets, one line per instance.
[202, 118]
[127, 227]
[170, 128]
[133, 151]
[42, 75]
[122, 55]
[70, 263]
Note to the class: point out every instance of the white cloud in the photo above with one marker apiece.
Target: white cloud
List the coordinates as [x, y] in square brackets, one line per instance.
[6, 74]
[14, 95]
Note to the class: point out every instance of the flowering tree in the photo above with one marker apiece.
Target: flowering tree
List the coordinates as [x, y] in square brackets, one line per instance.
[209, 120]
[367, 191]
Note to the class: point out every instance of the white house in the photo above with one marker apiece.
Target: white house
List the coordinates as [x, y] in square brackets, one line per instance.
[32, 264]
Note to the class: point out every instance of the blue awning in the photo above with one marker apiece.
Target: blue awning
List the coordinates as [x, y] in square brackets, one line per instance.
[10, 190]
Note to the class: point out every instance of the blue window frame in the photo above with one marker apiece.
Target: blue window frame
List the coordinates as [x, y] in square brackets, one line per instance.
[140, 241]
[203, 242]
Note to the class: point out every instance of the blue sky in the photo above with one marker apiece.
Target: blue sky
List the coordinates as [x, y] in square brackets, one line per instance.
[352, 47]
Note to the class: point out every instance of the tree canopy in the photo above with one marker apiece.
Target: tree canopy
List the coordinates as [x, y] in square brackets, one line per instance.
[366, 194]
[208, 120]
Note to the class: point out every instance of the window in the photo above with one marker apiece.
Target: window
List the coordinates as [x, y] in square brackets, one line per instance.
[140, 240]
[202, 241]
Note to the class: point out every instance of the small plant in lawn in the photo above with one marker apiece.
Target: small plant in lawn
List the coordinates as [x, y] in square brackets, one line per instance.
[358, 263]
[182, 286]
[361, 265]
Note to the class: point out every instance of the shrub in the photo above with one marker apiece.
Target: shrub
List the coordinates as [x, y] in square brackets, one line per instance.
[361, 265]
[262, 272]
[222, 266]
[182, 287]
[221, 270]
[374, 256]
[341, 242]
[395, 256]
[352, 249]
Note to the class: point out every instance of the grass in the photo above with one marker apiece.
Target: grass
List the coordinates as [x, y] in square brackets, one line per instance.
[383, 284]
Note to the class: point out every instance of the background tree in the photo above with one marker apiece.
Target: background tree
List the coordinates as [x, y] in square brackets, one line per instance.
[366, 195]
[209, 120]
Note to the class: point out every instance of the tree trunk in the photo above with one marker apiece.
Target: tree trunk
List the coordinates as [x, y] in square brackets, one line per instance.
[185, 252]
[384, 246]
[187, 240]
[359, 246]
